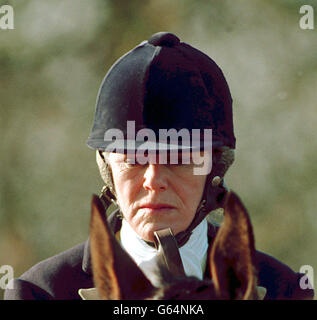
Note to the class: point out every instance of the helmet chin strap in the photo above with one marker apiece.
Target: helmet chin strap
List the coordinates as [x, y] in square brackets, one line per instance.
[213, 198]
[214, 192]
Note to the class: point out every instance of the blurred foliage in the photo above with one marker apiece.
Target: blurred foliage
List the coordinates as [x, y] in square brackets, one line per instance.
[51, 66]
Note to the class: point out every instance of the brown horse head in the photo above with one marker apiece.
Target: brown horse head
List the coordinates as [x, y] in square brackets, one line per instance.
[231, 261]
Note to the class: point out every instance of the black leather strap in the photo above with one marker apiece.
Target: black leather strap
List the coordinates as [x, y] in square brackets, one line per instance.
[213, 198]
[166, 244]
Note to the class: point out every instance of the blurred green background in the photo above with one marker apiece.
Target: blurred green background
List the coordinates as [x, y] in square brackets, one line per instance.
[51, 66]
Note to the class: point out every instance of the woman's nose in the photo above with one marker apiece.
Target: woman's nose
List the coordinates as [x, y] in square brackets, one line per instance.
[155, 178]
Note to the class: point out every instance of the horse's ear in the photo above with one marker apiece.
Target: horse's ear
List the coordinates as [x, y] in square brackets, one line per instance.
[116, 275]
[232, 255]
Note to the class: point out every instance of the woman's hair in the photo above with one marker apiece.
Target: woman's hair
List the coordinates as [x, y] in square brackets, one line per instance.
[105, 170]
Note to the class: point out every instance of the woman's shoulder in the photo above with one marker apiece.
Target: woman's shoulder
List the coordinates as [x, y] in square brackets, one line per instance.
[53, 278]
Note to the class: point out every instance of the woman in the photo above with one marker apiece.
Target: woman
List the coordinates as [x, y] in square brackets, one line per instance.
[163, 169]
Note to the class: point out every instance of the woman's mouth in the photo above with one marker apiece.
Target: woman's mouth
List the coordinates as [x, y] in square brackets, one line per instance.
[156, 208]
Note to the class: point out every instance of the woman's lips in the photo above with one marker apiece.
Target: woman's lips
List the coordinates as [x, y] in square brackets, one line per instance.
[156, 208]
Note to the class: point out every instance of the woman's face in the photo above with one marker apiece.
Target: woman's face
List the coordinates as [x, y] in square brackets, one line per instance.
[156, 196]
